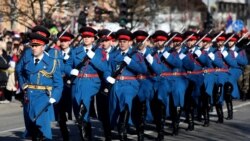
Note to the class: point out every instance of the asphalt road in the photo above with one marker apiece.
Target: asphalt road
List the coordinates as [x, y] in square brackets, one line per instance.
[238, 129]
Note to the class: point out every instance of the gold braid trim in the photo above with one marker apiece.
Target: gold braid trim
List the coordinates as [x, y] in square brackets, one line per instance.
[49, 74]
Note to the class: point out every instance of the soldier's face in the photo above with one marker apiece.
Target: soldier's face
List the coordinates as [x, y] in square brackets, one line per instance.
[207, 45]
[231, 43]
[37, 50]
[176, 45]
[106, 44]
[124, 44]
[220, 43]
[146, 43]
[88, 40]
[190, 43]
[159, 44]
[64, 44]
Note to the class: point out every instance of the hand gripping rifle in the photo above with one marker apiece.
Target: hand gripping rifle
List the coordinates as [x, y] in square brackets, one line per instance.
[54, 41]
[86, 58]
[123, 65]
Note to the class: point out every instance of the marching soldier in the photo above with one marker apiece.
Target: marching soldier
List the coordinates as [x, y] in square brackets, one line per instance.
[108, 52]
[239, 56]
[193, 63]
[63, 109]
[209, 79]
[146, 80]
[126, 87]
[223, 61]
[40, 80]
[178, 94]
[163, 86]
[87, 81]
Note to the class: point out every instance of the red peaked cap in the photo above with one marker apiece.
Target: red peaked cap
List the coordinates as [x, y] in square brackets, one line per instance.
[191, 35]
[178, 37]
[38, 39]
[65, 37]
[42, 30]
[124, 34]
[103, 34]
[140, 35]
[234, 38]
[88, 32]
[160, 35]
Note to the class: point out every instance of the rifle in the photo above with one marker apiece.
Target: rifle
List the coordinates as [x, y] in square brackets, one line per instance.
[168, 41]
[203, 37]
[86, 58]
[229, 39]
[214, 39]
[54, 41]
[73, 42]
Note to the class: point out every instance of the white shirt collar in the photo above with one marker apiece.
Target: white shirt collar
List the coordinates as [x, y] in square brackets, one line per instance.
[125, 51]
[39, 57]
[232, 48]
[66, 51]
[108, 50]
[142, 51]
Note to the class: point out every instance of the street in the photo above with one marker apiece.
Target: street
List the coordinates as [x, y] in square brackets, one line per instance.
[238, 129]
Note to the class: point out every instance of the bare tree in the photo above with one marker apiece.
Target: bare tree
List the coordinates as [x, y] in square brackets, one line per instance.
[26, 12]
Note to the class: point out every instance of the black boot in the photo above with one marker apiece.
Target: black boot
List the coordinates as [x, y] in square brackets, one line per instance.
[219, 113]
[190, 120]
[123, 122]
[64, 130]
[160, 123]
[244, 96]
[205, 109]
[140, 128]
[229, 110]
[85, 131]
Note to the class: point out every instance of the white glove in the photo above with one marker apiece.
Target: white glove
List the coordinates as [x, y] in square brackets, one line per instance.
[150, 59]
[181, 56]
[66, 57]
[12, 64]
[90, 54]
[166, 54]
[110, 79]
[127, 60]
[74, 72]
[52, 100]
[211, 56]
[224, 53]
[198, 53]
[235, 54]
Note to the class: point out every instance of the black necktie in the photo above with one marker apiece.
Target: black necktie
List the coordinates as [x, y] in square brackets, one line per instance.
[87, 50]
[64, 54]
[123, 54]
[36, 61]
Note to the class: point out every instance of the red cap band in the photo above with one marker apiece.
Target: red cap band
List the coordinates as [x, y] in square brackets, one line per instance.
[206, 39]
[221, 38]
[65, 38]
[36, 41]
[161, 38]
[233, 39]
[140, 38]
[88, 34]
[124, 37]
[41, 33]
[192, 38]
[177, 39]
[107, 38]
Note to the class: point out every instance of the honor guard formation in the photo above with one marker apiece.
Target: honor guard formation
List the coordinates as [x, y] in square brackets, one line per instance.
[125, 79]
